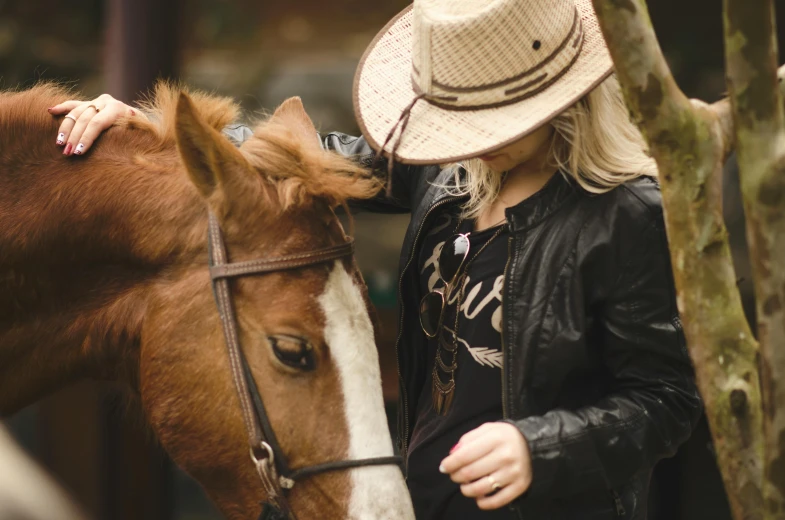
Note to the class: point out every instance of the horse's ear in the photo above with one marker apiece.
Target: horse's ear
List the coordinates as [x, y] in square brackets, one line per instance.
[211, 160]
[292, 115]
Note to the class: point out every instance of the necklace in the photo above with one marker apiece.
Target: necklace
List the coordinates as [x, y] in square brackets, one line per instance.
[442, 393]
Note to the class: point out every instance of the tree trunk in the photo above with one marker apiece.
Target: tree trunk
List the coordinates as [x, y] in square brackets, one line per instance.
[751, 57]
[690, 141]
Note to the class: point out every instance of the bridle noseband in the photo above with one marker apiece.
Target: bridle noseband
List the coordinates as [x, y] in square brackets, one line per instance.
[266, 453]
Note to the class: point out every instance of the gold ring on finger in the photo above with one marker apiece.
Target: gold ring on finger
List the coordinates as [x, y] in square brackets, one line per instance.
[93, 106]
[72, 118]
[495, 486]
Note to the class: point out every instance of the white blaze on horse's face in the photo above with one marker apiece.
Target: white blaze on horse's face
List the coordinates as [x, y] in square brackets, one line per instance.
[378, 492]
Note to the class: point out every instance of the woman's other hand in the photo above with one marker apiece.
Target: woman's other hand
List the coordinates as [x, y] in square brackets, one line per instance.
[85, 120]
[493, 457]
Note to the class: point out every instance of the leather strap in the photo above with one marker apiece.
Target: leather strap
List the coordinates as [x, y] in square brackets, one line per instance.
[300, 474]
[218, 257]
[282, 263]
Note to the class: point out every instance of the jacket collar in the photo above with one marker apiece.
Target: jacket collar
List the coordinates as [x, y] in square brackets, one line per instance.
[528, 212]
[542, 204]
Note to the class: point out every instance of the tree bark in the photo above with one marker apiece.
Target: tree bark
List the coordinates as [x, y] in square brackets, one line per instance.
[751, 60]
[690, 141]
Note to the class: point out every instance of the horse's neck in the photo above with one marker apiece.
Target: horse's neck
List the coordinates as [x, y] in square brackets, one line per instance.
[80, 252]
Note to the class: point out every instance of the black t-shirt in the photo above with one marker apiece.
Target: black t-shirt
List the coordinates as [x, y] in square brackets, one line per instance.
[478, 387]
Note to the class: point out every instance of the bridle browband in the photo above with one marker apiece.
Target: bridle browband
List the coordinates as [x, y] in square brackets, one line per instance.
[266, 453]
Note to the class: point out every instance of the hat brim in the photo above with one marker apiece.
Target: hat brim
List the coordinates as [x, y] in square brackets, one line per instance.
[434, 135]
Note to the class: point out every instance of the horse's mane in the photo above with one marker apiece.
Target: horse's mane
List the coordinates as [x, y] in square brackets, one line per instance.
[299, 170]
[21, 111]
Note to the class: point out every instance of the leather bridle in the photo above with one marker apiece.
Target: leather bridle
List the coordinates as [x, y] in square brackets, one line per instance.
[268, 458]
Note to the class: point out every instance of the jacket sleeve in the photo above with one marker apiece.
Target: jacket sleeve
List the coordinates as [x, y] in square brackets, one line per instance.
[402, 181]
[237, 134]
[397, 201]
[654, 404]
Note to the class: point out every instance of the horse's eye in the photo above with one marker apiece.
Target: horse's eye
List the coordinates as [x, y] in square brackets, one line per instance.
[294, 352]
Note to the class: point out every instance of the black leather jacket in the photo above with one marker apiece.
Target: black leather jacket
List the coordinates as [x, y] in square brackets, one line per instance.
[596, 374]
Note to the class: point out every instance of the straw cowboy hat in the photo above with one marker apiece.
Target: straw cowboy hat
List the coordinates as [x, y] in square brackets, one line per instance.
[446, 80]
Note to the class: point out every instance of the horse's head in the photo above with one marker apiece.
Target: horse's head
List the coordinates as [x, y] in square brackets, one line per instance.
[306, 333]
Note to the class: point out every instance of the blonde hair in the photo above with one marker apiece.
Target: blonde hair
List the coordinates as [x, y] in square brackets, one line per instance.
[594, 142]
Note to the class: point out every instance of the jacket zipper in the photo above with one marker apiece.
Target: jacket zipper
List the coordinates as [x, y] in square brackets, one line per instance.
[620, 511]
[401, 383]
[505, 414]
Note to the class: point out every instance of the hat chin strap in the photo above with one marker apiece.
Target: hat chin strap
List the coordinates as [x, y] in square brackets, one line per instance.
[403, 120]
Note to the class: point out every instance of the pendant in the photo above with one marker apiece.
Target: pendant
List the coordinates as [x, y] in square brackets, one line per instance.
[442, 401]
[442, 394]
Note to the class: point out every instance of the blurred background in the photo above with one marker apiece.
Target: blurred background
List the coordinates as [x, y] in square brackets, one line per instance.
[262, 52]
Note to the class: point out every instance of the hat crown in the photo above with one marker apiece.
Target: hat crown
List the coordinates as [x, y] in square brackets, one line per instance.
[480, 53]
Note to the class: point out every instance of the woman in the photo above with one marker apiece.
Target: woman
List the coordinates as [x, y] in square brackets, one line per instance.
[543, 366]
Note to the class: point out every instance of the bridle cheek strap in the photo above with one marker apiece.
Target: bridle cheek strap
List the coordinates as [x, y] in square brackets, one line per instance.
[266, 453]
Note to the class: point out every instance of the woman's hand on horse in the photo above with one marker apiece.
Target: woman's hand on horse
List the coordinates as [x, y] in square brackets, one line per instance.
[494, 454]
[85, 120]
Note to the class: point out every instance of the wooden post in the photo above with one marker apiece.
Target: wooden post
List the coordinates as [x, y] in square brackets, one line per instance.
[142, 46]
[142, 40]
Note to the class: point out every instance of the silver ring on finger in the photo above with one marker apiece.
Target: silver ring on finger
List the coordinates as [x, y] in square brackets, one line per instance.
[495, 486]
[93, 106]
[72, 118]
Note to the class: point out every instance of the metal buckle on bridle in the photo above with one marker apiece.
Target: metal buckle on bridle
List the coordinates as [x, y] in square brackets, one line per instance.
[265, 466]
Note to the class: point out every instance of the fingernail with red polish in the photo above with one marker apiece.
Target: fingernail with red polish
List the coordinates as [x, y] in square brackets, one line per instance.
[458, 445]
[68, 148]
[49, 109]
[133, 112]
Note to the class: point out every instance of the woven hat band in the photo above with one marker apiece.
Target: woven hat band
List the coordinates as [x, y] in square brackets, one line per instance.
[482, 56]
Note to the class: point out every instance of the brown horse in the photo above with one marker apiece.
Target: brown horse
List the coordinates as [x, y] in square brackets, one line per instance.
[103, 274]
